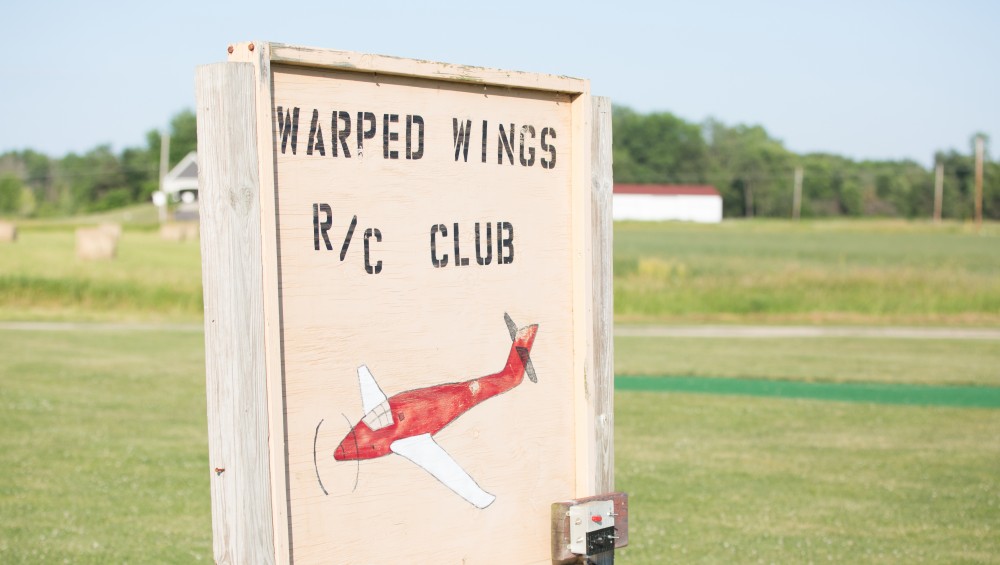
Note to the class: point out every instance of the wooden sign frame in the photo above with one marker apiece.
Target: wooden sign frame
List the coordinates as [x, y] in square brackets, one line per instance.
[244, 349]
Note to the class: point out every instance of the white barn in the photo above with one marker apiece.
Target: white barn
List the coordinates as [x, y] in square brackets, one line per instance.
[654, 202]
[181, 183]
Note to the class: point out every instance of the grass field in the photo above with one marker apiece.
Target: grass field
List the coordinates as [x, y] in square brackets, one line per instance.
[141, 217]
[860, 272]
[863, 272]
[104, 447]
[731, 479]
[748, 480]
[911, 361]
[151, 279]
[105, 461]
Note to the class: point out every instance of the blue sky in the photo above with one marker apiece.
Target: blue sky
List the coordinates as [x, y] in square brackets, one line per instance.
[869, 79]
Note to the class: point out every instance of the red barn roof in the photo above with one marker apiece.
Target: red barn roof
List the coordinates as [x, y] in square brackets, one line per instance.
[667, 189]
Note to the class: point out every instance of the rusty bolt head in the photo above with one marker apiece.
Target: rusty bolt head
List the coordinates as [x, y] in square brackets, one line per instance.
[251, 46]
[230, 49]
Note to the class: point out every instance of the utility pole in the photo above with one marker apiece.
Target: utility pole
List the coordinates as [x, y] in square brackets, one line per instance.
[164, 167]
[938, 191]
[979, 182]
[797, 194]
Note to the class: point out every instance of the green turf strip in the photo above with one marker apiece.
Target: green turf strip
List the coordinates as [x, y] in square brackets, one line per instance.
[967, 396]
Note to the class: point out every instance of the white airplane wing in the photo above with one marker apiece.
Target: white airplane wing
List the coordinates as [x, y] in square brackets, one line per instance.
[426, 453]
[371, 394]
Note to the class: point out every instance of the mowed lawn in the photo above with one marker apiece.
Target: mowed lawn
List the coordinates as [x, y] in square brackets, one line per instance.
[104, 443]
[730, 478]
[832, 359]
[105, 453]
[737, 479]
[104, 447]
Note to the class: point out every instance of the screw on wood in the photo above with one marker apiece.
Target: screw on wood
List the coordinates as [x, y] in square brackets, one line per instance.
[250, 46]
[230, 49]
[219, 471]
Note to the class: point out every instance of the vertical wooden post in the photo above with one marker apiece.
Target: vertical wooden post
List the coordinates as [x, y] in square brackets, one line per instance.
[797, 194]
[229, 187]
[603, 399]
[164, 167]
[979, 182]
[938, 191]
[602, 185]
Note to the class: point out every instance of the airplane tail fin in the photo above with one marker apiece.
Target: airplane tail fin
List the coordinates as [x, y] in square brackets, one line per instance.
[522, 352]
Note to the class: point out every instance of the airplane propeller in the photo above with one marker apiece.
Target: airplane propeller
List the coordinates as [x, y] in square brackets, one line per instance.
[529, 369]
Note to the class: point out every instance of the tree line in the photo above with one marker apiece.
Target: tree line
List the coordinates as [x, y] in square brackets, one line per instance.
[753, 171]
[33, 184]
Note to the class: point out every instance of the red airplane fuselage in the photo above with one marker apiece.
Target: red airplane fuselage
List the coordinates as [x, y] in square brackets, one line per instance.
[428, 410]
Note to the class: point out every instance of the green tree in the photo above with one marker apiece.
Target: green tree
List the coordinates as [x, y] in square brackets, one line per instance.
[35, 171]
[90, 177]
[657, 148]
[752, 170]
[959, 185]
[10, 194]
[898, 188]
[183, 139]
[991, 190]
[183, 135]
[141, 171]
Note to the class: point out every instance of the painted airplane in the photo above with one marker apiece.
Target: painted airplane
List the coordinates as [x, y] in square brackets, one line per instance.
[406, 423]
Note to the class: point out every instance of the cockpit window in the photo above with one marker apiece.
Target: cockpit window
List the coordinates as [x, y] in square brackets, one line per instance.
[379, 417]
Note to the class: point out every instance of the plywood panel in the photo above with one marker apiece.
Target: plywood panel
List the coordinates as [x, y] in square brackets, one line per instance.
[366, 254]
[417, 323]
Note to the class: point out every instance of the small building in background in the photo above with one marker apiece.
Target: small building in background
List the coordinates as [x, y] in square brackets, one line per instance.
[655, 202]
[181, 185]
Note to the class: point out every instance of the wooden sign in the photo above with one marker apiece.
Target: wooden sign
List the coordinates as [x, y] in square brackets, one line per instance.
[398, 264]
